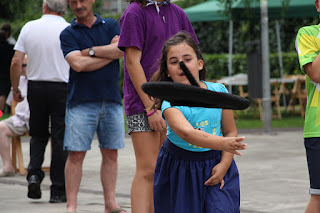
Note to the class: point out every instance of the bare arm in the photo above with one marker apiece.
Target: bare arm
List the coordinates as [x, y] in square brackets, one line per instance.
[313, 70]
[15, 73]
[229, 129]
[179, 124]
[136, 72]
[220, 170]
[110, 51]
[80, 63]
[137, 75]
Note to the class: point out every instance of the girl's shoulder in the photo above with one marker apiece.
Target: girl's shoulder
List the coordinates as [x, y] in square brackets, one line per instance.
[216, 87]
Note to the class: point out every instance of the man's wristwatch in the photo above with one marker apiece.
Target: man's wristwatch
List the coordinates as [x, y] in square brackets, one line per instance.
[15, 91]
[91, 52]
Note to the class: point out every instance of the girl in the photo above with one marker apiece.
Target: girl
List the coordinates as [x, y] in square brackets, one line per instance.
[145, 26]
[191, 174]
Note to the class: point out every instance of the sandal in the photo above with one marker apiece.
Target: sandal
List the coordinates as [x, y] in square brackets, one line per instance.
[118, 210]
[7, 173]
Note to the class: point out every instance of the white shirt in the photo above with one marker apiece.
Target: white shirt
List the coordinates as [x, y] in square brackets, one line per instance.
[40, 40]
[22, 111]
[11, 40]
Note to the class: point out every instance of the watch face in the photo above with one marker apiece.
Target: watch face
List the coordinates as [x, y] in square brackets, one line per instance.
[91, 52]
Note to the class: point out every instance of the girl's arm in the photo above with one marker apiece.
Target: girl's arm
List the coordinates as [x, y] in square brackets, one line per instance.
[137, 75]
[179, 124]
[228, 130]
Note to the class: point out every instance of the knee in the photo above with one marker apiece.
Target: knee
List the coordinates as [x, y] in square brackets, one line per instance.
[315, 198]
[4, 130]
[76, 157]
[109, 155]
[146, 171]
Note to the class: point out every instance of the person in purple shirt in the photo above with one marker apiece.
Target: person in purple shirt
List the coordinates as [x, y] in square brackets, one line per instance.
[145, 26]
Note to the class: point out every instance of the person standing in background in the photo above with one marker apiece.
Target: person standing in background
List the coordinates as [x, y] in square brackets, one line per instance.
[7, 28]
[90, 45]
[145, 26]
[47, 74]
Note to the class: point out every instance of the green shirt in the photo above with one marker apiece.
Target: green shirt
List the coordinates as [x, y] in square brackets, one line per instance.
[308, 47]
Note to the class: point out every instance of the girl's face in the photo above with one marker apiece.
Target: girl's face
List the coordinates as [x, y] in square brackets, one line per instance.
[183, 52]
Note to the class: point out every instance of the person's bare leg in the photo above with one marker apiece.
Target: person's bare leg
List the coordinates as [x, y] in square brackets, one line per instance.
[73, 175]
[108, 175]
[5, 132]
[313, 205]
[146, 146]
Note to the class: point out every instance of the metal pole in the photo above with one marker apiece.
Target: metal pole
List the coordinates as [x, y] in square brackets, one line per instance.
[266, 100]
[230, 53]
[280, 62]
[119, 9]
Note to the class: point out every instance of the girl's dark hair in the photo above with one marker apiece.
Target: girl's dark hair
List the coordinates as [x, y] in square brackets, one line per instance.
[162, 73]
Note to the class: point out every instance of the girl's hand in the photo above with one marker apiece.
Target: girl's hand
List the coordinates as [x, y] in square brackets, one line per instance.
[156, 122]
[232, 144]
[218, 172]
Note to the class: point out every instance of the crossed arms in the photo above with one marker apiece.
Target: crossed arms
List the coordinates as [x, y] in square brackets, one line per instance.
[82, 62]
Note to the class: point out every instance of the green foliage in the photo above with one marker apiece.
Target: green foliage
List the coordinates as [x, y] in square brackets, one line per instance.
[246, 120]
[214, 36]
[4, 116]
[188, 3]
[217, 64]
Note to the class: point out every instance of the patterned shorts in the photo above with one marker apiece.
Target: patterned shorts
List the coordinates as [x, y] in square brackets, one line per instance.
[138, 123]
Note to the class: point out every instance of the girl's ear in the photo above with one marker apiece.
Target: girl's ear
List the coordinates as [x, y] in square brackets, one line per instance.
[201, 63]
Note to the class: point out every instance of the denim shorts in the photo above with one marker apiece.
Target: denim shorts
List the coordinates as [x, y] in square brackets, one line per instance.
[84, 120]
[312, 146]
[138, 123]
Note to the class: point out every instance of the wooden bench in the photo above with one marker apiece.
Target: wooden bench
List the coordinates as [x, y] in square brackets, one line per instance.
[274, 98]
[298, 94]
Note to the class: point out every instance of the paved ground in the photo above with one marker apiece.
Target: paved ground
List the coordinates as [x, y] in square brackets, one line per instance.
[273, 177]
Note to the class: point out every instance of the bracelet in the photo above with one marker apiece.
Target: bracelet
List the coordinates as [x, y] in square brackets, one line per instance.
[15, 91]
[151, 113]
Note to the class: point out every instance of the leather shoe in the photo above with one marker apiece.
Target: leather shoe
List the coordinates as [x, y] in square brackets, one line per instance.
[34, 191]
[58, 199]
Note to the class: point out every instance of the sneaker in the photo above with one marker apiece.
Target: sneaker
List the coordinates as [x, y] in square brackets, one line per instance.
[34, 191]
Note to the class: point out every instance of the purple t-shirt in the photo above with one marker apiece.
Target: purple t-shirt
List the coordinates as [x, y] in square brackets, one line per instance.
[147, 30]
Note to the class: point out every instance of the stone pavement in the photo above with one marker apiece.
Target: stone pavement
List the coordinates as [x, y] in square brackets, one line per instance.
[273, 178]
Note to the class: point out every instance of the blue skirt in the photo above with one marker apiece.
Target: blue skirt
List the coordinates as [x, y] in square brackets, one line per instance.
[179, 182]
